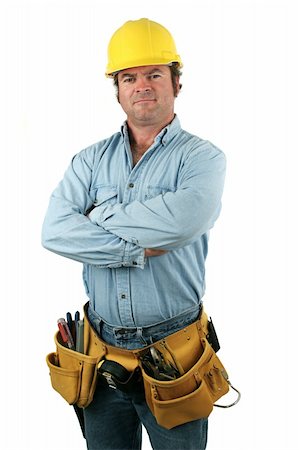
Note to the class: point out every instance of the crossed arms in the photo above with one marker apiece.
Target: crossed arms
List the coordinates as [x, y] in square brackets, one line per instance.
[124, 234]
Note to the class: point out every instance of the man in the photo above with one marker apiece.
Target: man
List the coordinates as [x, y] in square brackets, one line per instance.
[136, 210]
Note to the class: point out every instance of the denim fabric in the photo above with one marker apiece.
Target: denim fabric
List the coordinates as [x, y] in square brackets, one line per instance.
[132, 338]
[114, 419]
[169, 200]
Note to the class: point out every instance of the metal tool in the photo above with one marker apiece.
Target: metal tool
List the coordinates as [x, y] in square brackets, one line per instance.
[155, 365]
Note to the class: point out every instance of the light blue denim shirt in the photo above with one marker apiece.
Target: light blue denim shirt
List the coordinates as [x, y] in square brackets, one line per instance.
[169, 200]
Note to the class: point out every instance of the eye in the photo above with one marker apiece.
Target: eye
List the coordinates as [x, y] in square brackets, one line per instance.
[155, 75]
[128, 80]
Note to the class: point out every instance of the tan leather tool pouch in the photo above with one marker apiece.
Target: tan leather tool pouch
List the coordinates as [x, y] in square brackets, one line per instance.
[73, 374]
[192, 395]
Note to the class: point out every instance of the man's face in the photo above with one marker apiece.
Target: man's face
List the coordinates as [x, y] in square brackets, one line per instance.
[146, 95]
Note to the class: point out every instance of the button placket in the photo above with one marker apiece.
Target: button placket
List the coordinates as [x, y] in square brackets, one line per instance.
[130, 193]
[124, 300]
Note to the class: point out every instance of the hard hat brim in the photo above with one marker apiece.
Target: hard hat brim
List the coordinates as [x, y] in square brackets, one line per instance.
[111, 72]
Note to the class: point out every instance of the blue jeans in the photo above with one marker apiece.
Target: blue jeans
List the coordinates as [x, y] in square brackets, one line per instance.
[114, 419]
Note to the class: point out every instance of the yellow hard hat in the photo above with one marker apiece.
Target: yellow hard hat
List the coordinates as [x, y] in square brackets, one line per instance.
[140, 43]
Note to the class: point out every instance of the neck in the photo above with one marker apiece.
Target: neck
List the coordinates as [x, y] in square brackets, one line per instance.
[142, 137]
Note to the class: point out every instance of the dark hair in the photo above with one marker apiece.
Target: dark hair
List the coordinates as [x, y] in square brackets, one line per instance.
[174, 71]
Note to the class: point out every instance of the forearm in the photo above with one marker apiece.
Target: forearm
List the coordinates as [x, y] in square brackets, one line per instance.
[73, 235]
[160, 222]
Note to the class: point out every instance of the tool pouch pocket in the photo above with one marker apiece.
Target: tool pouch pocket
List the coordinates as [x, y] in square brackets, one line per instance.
[192, 395]
[73, 374]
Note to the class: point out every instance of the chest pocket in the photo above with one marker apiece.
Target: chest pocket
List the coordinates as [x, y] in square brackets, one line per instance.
[105, 195]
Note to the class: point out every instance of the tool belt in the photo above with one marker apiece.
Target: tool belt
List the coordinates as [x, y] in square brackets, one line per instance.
[193, 380]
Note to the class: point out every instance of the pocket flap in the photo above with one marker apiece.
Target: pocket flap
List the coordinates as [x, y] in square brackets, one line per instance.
[104, 194]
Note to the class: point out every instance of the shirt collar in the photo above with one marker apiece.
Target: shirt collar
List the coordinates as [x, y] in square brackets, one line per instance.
[165, 135]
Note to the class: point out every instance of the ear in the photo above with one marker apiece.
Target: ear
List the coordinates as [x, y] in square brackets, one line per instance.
[177, 86]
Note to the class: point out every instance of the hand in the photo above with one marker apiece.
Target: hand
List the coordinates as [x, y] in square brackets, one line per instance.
[154, 252]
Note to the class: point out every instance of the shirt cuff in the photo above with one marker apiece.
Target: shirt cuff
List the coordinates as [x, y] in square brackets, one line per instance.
[134, 256]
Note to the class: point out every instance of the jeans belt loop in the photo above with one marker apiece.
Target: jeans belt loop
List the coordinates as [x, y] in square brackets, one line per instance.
[139, 334]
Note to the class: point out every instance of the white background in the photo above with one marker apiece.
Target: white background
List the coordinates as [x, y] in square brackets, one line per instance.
[240, 90]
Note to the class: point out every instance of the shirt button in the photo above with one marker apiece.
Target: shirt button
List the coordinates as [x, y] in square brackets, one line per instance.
[131, 185]
[123, 296]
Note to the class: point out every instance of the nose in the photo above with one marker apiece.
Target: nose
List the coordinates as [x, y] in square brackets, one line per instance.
[142, 85]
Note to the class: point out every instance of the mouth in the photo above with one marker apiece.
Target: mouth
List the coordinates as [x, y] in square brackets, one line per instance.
[144, 100]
